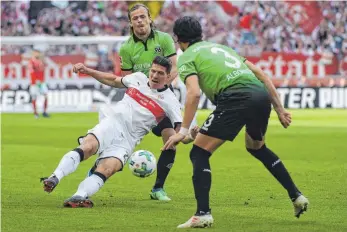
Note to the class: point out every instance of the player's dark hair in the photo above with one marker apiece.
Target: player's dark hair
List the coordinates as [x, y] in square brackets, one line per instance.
[135, 7]
[163, 61]
[188, 29]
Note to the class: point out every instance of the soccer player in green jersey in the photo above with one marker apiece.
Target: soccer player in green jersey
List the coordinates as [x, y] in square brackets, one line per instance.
[243, 95]
[136, 55]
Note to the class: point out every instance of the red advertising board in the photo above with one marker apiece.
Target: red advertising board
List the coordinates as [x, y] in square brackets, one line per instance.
[290, 65]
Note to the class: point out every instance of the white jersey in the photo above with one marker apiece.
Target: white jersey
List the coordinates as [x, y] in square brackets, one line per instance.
[142, 108]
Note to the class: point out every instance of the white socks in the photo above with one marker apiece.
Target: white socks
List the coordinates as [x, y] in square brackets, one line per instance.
[89, 186]
[68, 164]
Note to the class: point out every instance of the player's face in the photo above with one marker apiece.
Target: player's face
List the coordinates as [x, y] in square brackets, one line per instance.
[140, 21]
[36, 55]
[158, 76]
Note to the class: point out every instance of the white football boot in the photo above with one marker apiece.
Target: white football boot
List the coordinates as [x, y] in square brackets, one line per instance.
[300, 205]
[202, 221]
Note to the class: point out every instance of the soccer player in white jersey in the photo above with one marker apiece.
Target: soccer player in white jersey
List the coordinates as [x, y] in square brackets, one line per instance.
[146, 102]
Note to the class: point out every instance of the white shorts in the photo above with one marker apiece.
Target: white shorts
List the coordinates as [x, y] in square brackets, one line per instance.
[112, 140]
[105, 111]
[37, 90]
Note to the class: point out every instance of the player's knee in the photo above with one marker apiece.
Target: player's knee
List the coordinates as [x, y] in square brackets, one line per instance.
[89, 146]
[88, 149]
[265, 155]
[253, 144]
[109, 166]
[107, 171]
[199, 155]
[167, 133]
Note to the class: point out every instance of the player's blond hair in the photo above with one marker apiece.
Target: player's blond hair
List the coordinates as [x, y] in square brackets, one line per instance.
[135, 7]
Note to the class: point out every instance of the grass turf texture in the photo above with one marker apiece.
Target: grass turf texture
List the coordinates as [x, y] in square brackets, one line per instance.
[244, 196]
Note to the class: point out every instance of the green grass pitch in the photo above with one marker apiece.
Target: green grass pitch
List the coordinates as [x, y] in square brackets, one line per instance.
[244, 196]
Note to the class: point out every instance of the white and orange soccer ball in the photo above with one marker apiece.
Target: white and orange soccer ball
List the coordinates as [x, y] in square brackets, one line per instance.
[142, 163]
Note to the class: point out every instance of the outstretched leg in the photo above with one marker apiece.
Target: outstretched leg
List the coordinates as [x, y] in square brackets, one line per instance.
[70, 161]
[92, 184]
[165, 163]
[276, 167]
[45, 105]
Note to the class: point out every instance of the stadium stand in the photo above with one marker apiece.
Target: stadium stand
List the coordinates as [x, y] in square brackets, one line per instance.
[251, 28]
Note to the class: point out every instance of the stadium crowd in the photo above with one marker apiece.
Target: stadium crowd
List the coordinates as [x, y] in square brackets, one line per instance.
[254, 28]
[265, 25]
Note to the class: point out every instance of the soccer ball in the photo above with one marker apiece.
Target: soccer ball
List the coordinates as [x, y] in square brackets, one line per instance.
[142, 163]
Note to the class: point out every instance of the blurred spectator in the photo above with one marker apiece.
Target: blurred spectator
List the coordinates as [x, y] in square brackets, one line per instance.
[247, 36]
[270, 26]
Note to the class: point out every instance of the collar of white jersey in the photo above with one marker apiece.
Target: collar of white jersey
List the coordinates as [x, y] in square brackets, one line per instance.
[158, 90]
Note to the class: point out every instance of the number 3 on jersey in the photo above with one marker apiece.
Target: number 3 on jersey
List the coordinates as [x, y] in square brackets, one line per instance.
[208, 122]
[235, 62]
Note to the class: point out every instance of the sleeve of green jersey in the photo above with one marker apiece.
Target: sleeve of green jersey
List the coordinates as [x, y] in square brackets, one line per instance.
[168, 45]
[186, 69]
[125, 60]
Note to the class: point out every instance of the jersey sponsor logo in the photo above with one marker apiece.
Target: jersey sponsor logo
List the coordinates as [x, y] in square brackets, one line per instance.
[146, 102]
[145, 66]
[157, 49]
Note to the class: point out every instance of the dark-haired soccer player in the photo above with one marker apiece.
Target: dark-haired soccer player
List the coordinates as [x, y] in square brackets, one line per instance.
[136, 55]
[243, 95]
[146, 103]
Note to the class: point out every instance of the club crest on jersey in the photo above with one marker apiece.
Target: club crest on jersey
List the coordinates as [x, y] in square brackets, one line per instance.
[157, 49]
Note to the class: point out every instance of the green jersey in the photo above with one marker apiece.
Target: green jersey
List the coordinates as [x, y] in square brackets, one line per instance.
[137, 56]
[217, 66]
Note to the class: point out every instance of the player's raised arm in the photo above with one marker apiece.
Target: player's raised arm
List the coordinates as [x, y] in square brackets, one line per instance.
[103, 77]
[283, 115]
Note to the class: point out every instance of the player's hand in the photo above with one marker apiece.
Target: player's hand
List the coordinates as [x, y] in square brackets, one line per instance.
[173, 141]
[80, 68]
[285, 118]
[194, 132]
